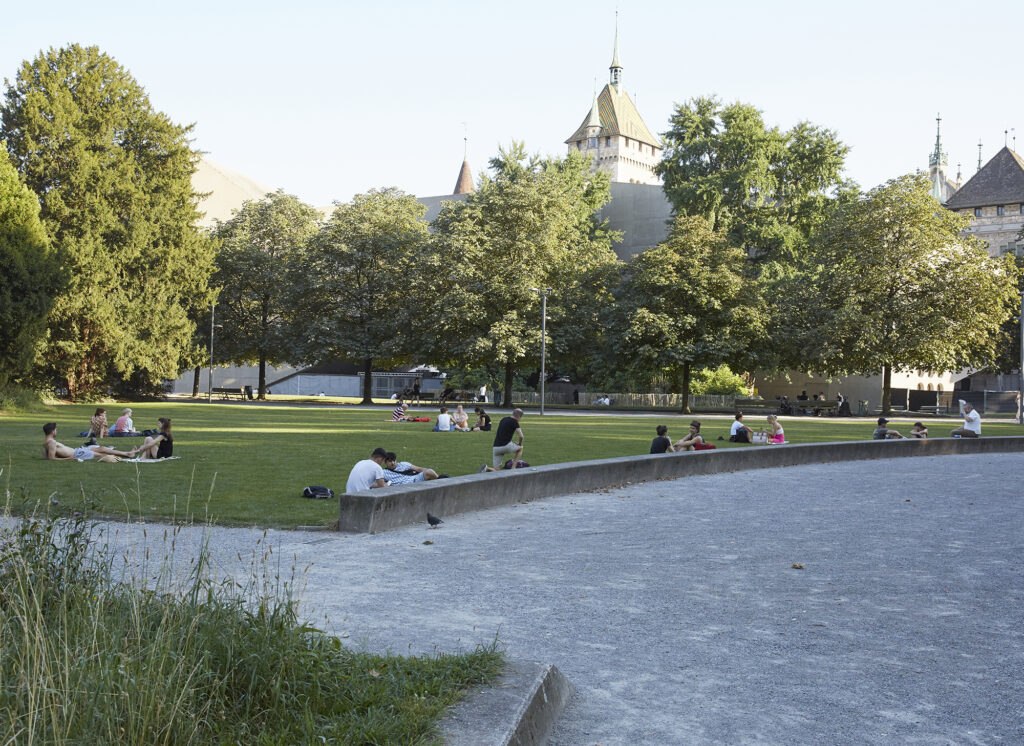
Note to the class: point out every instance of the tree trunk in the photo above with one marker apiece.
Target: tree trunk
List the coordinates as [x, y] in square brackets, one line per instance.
[684, 388]
[509, 372]
[263, 376]
[886, 389]
[195, 383]
[368, 381]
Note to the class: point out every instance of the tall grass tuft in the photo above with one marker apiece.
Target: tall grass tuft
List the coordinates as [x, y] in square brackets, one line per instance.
[88, 654]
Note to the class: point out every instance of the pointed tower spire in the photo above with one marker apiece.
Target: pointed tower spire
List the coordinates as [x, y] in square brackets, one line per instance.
[464, 184]
[979, 154]
[616, 66]
[593, 124]
[938, 157]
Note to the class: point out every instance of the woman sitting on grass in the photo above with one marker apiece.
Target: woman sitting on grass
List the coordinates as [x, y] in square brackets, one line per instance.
[691, 441]
[483, 421]
[775, 432]
[98, 424]
[461, 420]
[161, 446]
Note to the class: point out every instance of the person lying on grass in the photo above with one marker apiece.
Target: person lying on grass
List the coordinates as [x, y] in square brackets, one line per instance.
[53, 450]
[160, 446]
[402, 472]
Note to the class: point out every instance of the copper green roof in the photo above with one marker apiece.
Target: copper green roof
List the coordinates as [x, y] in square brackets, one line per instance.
[618, 117]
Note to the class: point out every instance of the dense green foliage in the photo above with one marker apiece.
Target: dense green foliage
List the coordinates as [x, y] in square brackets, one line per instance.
[720, 380]
[114, 179]
[890, 283]
[261, 277]
[29, 276]
[85, 658]
[363, 262]
[768, 190]
[532, 225]
[682, 305]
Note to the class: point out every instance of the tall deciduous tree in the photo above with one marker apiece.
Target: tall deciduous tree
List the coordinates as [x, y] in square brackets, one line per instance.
[29, 275]
[114, 178]
[261, 271]
[363, 259]
[684, 305]
[531, 225]
[890, 283]
[765, 188]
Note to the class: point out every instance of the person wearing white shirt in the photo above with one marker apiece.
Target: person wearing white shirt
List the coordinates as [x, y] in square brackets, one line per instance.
[972, 422]
[444, 421]
[368, 473]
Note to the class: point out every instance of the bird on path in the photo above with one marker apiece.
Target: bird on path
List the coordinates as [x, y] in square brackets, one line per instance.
[433, 520]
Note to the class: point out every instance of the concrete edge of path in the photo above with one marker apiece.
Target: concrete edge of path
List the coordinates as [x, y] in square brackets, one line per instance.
[519, 710]
[373, 511]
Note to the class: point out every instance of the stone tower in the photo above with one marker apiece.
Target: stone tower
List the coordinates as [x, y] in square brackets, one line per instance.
[614, 134]
[942, 186]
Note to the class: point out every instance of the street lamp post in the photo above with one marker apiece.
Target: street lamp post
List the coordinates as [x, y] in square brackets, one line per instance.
[209, 393]
[543, 292]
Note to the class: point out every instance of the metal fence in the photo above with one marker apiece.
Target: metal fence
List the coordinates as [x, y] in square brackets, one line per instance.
[703, 402]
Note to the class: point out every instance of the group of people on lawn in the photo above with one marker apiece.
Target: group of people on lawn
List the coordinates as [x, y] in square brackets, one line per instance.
[455, 422]
[156, 446]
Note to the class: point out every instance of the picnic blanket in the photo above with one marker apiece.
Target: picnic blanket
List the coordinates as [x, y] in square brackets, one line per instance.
[149, 460]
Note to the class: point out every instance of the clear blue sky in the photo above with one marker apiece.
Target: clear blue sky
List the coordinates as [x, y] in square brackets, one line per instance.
[328, 99]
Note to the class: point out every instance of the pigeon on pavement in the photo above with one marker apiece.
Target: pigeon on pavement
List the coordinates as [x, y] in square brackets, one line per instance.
[433, 520]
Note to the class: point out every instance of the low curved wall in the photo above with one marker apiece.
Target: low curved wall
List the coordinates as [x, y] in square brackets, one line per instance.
[373, 511]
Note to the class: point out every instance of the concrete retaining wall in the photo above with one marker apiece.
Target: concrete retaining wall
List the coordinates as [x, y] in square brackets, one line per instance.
[373, 511]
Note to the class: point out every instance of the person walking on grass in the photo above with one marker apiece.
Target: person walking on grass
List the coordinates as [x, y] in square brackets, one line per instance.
[368, 473]
[972, 422]
[508, 439]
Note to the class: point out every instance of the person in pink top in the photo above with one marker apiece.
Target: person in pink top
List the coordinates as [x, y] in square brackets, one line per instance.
[124, 424]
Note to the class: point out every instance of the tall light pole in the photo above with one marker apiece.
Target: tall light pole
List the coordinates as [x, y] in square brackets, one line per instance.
[543, 292]
[1020, 385]
[209, 393]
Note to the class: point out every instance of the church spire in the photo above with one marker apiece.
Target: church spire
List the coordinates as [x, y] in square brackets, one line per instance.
[616, 66]
[464, 184]
[593, 124]
[938, 158]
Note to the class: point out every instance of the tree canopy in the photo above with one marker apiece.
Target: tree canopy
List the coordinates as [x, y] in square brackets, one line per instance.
[890, 283]
[530, 225]
[364, 260]
[29, 275]
[261, 277]
[683, 305]
[765, 188]
[114, 179]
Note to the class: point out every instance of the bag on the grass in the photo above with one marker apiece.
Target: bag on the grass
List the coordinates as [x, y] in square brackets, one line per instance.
[150, 433]
[759, 438]
[516, 465]
[704, 447]
[318, 493]
[421, 419]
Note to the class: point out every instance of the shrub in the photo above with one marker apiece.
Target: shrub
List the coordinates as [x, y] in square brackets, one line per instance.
[719, 380]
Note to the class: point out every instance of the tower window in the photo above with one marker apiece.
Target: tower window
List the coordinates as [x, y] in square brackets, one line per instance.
[592, 142]
[977, 212]
[1001, 210]
[1022, 209]
[608, 141]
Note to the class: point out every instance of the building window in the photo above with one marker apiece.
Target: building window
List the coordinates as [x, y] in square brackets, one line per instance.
[977, 212]
[1001, 210]
[1022, 209]
[592, 142]
[607, 141]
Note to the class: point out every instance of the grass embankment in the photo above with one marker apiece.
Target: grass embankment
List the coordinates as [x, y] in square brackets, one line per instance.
[249, 463]
[87, 659]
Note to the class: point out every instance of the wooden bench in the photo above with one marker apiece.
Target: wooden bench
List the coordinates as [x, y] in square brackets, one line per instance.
[426, 396]
[757, 405]
[226, 392]
[936, 409]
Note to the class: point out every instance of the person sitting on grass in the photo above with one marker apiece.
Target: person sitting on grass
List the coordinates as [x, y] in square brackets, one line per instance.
[884, 433]
[483, 420]
[444, 421]
[740, 433]
[461, 420]
[972, 422]
[919, 431]
[691, 441]
[402, 472]
[161, 445]
[662, 444]
[124, 426]
[367, 474]
[399, 414]
[775, 431]
[98, 424]
[53, 450]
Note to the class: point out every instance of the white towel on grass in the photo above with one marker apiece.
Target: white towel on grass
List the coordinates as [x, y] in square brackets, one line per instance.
[137, 460]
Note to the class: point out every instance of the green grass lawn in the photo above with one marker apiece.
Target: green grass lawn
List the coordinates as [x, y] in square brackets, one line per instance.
[247, 464]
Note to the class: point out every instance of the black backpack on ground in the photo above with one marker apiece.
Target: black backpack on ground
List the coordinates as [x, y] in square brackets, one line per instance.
[318, 493]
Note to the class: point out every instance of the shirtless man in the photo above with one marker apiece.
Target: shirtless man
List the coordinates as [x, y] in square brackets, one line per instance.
[56, 451]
